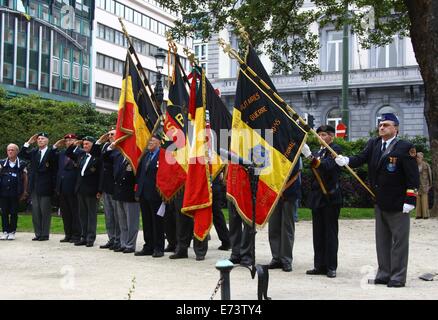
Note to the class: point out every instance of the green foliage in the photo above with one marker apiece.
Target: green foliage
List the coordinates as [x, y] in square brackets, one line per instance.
[283, 28]
[22, 117]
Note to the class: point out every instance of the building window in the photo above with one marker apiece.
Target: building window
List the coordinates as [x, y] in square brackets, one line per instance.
[129, 14]
[44, 80]
[107, 92]
[65, 85]
[334, 117]
[65, 69]
[110, 6]
[388, 56]
[7, 71]
[85, 75]
[55, 82]
[45, 12]
[120, 10]
[76, 68]
[334, 50]
[75, 87]
[55, 66]
[146, 22]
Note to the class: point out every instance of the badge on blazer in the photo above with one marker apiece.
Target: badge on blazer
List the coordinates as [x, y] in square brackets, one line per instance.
[92, 169]
[392, 165]
[128, 167]
[47, 165]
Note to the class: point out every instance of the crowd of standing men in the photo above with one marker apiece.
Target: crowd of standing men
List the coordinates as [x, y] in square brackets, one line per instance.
[87, 170]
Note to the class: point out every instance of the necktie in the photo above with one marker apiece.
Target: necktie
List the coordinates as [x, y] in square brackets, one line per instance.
[384, 147]
[39, 156]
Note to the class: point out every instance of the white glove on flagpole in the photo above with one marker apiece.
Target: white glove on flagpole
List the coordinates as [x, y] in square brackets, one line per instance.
[342, 161]
[306, 151]
[407, 207]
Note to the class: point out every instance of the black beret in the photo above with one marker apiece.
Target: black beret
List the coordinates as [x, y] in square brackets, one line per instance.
[43, 134]
[326, 128]
[89, 138]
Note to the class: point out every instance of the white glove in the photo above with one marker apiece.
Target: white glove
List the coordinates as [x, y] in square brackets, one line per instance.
[342, 161]
[306, 151]
[407, 207]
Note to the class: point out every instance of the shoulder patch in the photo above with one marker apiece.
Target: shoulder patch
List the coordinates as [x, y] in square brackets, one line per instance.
[413, 152]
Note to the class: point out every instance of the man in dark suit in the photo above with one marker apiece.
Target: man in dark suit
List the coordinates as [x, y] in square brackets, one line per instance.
[127, 208]
[325, 200]
[150, 201]
[107, 187]
[65, 188]
[394, 178]
[42, 182]
[13, 187]
[87, 186]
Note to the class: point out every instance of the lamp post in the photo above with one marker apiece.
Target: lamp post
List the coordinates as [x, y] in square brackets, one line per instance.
[160, 56]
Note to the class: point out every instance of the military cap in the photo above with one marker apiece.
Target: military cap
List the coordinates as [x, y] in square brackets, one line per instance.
[390, 117]
[43, 134]
[326, 128]
[89, 138]
[70, 136]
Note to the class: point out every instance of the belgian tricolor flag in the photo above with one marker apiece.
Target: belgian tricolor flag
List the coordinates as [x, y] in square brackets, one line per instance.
[173, 166]
[263, 133]
[137, 116]
[198, 194]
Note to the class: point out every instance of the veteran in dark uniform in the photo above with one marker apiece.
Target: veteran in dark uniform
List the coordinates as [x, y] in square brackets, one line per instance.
[42, 182]
[65, 188]
[87, 186]
[325, 200]
[394, 178]
[13, 187]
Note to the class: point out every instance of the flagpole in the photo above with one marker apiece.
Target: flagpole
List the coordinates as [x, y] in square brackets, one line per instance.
[140, 68]
[295, 116]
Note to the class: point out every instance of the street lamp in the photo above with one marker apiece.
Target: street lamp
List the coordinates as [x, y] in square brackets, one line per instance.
[160, 56]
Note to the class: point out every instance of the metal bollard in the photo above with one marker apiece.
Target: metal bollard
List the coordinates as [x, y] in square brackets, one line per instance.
[225, 267]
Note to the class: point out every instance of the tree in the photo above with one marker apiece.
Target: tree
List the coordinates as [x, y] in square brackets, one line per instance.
[281, 28]
[22, 117]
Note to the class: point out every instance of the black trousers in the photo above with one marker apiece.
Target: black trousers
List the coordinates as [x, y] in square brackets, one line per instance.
[9, 206]
[68, 204]
[153, 225]
[218, 218]
[240, 236]
[184, 231]
[170, 224]
[325, 237]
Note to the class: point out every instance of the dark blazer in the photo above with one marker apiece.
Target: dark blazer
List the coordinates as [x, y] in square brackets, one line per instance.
[42, 175]
[329, 171]
[88, 184]
[67, 174]
[390, 175]
[293, 192]
[107, 172]
[12, 186]
[146, 179]
[124, 178]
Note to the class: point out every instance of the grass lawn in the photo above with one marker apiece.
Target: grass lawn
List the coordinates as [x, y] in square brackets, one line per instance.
[25, 220]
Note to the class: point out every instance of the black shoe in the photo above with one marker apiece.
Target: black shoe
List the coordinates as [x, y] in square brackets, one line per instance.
[377, 281]
[170, 249]
[200, 258]
[287, 267]
[157, 254]
[224, 247]
[275, 264]
[130, 250]
[143, 252]
[81, 243]
[179, 255]
[315, 271]
[107, 245]
[65, 240]
[395, 284]
[234, 260]
[119, 249]
[74, 240]
[331, 273]
[89, 244]
[35, 238]
[43, 239]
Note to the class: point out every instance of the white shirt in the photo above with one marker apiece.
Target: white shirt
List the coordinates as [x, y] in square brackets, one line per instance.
[43, 151]
[12, 164]
[388, 142]
[85, 164]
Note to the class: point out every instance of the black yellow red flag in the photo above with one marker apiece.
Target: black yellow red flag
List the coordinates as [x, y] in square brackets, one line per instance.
[198, 195]
[173, 164]
[137, 115]
[265, 134]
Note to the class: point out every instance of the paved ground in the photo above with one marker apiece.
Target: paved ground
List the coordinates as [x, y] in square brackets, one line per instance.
[53, 270]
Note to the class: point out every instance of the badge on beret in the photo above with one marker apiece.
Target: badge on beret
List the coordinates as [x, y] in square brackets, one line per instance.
[413, 152]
